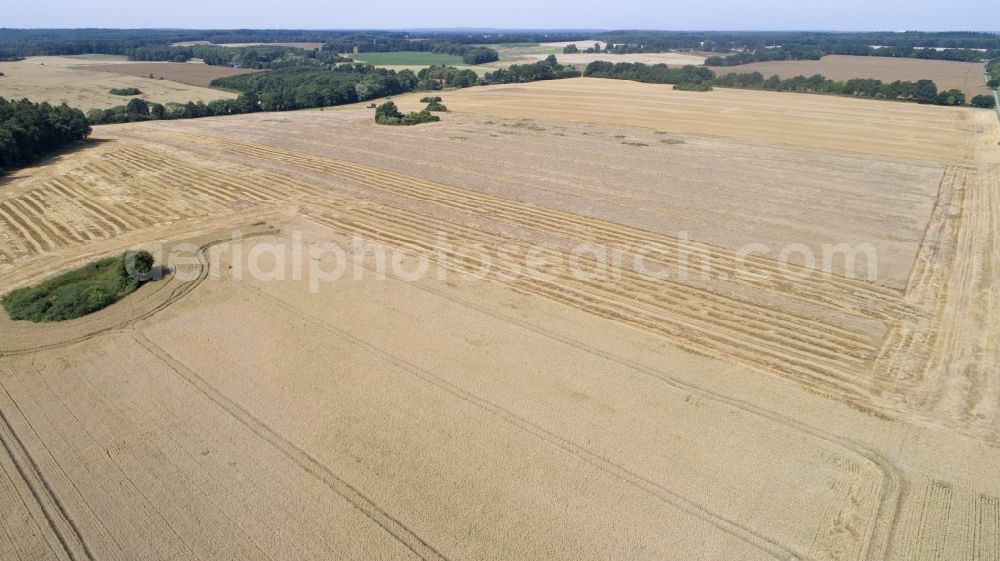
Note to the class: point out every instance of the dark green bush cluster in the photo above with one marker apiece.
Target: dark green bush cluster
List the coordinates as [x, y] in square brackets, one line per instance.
[124, 91]
[389, 114]
[429, 99]
[436, 77]
[985, 101]
[436, 106]
[81, 291]
[694, 86]
[479, 55]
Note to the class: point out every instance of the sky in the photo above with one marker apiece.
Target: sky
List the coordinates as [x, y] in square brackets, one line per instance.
[840, 15]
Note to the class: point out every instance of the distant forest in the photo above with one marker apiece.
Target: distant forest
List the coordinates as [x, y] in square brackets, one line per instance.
[742, 47]
[733, 47]
[15, 43]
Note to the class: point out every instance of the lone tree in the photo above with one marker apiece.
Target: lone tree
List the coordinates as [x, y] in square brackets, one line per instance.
[138, 265]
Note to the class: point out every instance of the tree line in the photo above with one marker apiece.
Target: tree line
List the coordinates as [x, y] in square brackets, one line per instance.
[437, 77]
[993, 74]
[548, 69]
[389, 114]
[701, 78]
[277, 90]
[826, 42]
[29, 130]
[268, 56]
[257, 56]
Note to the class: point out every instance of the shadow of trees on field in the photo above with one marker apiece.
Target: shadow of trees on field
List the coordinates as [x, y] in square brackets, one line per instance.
[6, 176]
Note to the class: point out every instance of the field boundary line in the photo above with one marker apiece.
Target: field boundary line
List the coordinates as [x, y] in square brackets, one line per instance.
[297, 455]
[59, 521]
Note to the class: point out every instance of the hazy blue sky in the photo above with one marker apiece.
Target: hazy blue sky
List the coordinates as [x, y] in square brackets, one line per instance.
[888, 15]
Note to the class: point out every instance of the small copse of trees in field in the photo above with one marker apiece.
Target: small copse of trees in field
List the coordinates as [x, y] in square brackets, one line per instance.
[81, 291]
[389, 114]
[437, 106]
[479, 55]
[125, 91]
[29, 130]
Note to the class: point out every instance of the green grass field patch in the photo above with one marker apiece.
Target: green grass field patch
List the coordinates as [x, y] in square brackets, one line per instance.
[402, 58]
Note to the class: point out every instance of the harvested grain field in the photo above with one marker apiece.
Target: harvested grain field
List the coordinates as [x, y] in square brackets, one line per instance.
[254, 404]
[965, 76]
[183, 73]
[81, 86]
[903, 130]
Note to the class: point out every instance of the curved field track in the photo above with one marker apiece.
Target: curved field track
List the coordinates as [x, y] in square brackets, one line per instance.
[533, 330]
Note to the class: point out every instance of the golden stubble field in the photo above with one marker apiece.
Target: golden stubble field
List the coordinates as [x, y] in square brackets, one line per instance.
[455, 415]
[84, 83]
[194, 74]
